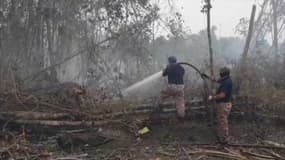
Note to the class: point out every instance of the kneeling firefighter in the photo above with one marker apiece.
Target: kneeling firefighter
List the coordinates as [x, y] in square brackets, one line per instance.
[223, 98]
[175, 88]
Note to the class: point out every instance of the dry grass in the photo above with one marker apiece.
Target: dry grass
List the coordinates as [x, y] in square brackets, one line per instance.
[272, 100]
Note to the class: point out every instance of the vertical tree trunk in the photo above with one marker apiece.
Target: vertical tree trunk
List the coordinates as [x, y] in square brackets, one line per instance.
[274, 4]
[249, 35]
[243, 74]
[210, 37]
[208, 7]
[259, 24]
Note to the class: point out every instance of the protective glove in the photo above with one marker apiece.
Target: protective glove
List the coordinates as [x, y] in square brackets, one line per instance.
[210, 98]
[203, 75]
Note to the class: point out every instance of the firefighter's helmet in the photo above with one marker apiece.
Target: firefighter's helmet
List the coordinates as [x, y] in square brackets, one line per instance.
[172, 59]
[225, 71]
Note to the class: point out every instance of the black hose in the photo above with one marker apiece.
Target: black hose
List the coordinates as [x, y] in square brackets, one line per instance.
[205, 85]
[203, 75]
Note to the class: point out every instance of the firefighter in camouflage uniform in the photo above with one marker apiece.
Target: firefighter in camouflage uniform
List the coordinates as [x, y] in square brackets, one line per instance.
[223, 98]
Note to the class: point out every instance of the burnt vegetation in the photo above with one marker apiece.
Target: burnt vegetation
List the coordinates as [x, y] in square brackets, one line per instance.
[64, 65]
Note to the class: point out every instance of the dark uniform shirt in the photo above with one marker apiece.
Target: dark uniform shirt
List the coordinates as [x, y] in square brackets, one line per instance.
[175, 73]
[226, 86]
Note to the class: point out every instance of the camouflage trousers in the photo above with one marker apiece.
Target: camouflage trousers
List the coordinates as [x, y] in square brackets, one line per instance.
[176, 92]
[222, 125]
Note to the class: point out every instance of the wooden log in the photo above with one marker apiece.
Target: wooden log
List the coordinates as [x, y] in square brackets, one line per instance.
[101, 115]
[82, 124]
[138, 119]
[63, 123]
[58, 119]
[148, 108]
[34, 115]
[29, 115]
[62, 108]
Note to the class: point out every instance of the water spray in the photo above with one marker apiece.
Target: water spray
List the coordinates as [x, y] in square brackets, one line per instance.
[154, 82]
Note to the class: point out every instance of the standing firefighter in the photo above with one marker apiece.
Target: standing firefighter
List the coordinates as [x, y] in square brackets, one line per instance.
[223, 108]
[175, 73]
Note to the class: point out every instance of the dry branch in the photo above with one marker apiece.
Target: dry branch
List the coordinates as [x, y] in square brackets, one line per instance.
[247, 153]
[243, 146]
[220, 154]
[274, 154]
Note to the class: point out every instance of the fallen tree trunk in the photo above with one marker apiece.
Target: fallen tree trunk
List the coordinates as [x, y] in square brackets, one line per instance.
[75, 115]
[141, 118]
[64, 123]
[29, 115]
[34, 115]
[95, 123]
[52, 119]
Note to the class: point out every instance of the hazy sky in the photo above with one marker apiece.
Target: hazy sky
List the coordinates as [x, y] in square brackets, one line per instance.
[225, 14]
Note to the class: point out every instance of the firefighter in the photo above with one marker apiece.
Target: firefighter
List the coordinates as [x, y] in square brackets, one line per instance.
[223, 98]
[175, 88]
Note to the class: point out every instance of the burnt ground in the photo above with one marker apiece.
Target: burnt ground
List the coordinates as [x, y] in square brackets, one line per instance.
[166, 141]
[172, 141]
[24, 137]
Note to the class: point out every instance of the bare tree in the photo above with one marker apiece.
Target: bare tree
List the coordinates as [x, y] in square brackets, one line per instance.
[274, 4]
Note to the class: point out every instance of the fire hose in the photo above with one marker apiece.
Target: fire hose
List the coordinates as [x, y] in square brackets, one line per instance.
[203, 75]
[205, 85]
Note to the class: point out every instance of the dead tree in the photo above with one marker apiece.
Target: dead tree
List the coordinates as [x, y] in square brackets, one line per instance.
[246, 47]
[249, 35]
[274, 4]
[259, 24]
[207, 9]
